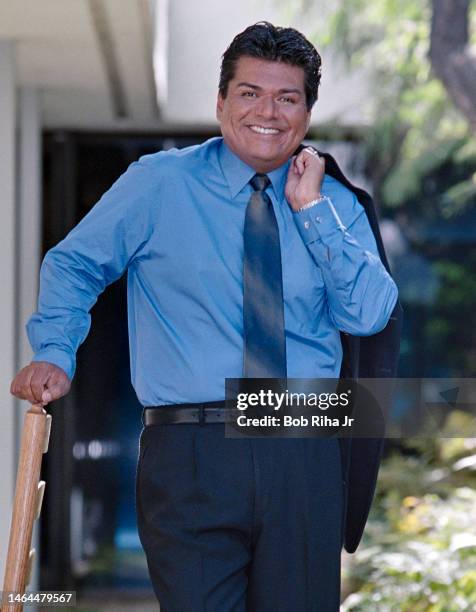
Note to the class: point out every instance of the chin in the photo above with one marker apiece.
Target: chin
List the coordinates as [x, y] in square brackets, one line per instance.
[276, 157]
[265, 152]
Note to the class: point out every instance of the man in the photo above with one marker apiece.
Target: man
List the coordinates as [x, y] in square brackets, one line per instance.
[227, 524]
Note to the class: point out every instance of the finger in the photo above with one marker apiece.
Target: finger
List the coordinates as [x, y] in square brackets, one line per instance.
[57, 386]
[23, 384]
[300, 163]
[312, 151]
[18, 388]
[53, 392]
[37, 384]
[291, 168]
[311, 157]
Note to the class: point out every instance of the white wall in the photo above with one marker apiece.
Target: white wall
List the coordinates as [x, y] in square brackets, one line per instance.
[28, 246]
[20, 235]
[7, 285]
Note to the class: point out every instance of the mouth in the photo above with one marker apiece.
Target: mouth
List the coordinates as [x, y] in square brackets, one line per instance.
[267, 131]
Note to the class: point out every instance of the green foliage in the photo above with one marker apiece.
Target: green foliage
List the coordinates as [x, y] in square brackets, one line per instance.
[417, 130]
[419, 550]
[430, 563]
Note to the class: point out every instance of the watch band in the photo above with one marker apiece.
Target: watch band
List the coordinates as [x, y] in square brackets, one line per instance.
[313, 203]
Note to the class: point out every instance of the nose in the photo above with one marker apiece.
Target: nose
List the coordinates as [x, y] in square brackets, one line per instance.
[267, 107]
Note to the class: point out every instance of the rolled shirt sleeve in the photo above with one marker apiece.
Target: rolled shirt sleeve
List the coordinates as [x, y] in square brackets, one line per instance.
[361, 294]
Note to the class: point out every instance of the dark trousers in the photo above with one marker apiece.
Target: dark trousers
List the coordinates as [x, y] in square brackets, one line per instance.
[240, 524]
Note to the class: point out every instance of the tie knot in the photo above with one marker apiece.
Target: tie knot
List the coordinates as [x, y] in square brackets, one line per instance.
[260, 182]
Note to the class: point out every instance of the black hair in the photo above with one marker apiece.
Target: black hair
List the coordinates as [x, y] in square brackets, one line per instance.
[265, 41]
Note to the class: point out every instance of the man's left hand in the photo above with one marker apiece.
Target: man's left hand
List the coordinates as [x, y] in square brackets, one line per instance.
[305, 177]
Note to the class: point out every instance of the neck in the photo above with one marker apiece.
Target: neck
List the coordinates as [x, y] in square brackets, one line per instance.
[259, 166]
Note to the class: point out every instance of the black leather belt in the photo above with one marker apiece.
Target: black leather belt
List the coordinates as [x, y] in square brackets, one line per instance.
[208, 412]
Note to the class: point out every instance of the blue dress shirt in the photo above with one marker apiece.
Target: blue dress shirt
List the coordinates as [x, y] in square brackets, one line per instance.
[174, 220]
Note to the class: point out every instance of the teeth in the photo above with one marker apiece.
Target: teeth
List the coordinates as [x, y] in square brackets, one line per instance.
[261, 130]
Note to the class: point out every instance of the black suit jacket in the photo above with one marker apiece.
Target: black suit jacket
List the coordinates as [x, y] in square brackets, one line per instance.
[364, 357]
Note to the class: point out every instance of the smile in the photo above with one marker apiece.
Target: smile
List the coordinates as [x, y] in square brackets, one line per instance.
[258, 129]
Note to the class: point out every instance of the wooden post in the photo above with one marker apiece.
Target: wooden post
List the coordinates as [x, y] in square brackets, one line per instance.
[27, 503]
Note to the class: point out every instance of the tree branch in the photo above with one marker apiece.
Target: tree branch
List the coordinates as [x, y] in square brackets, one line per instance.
[450, 55]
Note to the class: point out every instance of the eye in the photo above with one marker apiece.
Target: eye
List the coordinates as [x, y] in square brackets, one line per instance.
[287, 100]
[249, 94]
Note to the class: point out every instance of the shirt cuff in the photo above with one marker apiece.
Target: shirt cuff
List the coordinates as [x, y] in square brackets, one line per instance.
[320, 222]
[57, 357]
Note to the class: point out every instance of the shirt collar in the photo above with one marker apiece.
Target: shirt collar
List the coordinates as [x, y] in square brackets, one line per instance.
[238, 174]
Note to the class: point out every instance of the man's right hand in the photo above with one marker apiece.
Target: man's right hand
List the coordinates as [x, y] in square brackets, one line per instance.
[40, 382]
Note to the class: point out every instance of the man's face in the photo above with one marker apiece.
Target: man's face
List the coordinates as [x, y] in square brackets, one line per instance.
[264, 115]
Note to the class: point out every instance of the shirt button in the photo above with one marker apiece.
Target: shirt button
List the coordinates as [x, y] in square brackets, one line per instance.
[318, 219]
[306, 224]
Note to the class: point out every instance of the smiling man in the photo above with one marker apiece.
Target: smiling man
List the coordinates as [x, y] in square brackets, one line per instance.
[243, 258]
[263, 112]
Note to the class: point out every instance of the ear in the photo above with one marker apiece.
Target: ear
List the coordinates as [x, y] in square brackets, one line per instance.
[220, 103]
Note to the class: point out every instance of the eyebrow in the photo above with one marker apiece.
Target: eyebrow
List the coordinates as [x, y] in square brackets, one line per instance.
[281, 91]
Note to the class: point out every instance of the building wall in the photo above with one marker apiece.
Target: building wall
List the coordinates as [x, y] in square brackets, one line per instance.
[7, 284]
[20, 228]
